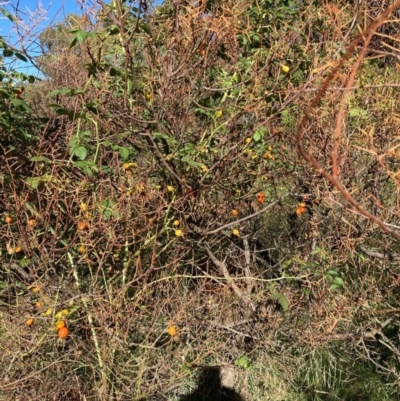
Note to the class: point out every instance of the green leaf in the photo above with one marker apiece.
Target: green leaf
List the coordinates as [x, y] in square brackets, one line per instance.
[109, 209]
[80, 152]
[4, 94]
[33, 182]
[85, 163]
[256, 136]
[316, 251]
[26, 107]
[357, 112]
[57, 92]
[8, 53]
[40, 159]
[333, 273]
[189, 148]
[106, 169]
[259, 134]
[284, 302]
[170, 141]
[87, 166]
[129, 88]
[21, 57]
[20, 103]
[243, 362]
[124, 152]
[73, 42]
[194, 163]
[80, 36]
[114, 72]
[73, 142]
[63, 112]
[286, 264]
[16, 102]
[7, 14]
[338, 281]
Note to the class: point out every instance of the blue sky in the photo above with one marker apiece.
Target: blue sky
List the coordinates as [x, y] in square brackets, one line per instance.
[36, 13]
[34, 17]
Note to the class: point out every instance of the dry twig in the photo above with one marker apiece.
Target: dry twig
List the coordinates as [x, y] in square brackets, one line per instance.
[226, 274]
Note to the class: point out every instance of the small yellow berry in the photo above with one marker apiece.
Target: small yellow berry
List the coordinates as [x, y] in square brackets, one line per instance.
[18, 249]
[218, 113]
[61, 314]
[48, 312]
[285, 68]
[30, 321]
[248, 140]
[176, 223]
[81, 249]
[172, 331]
[127, 166]
[170, 188]
[236, 232]
[8, 219]
[178, 233]
[60, 324]
[83, 207]
[32, 222]
[235, 213]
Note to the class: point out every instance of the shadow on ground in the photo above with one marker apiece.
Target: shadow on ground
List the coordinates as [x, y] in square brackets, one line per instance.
[210, 388]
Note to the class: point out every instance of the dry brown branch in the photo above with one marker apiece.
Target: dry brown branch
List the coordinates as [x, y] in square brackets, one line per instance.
[227, 276]
[230, 326]
[367, 34]
[379, 255]
[126, 343]
[247, 264]
[249, 216]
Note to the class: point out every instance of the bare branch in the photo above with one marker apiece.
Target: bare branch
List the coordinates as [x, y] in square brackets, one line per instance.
[226, 274]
